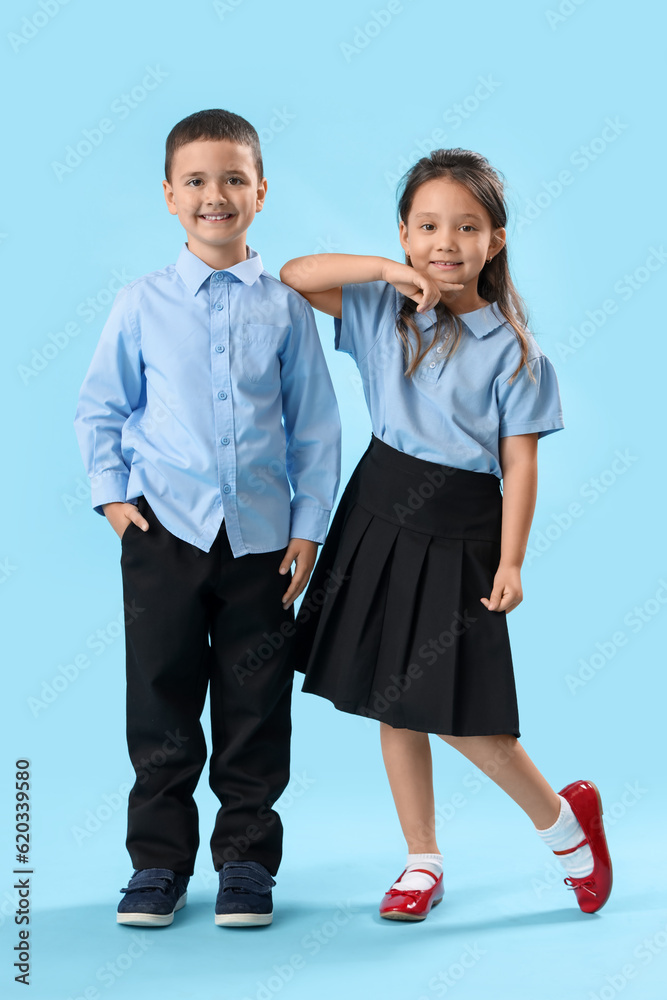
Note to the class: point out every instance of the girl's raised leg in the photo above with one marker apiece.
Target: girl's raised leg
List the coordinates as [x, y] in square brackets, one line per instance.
[569, 822]
[505, 761]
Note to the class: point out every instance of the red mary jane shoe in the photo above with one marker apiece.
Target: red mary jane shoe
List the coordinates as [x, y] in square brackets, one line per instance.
[592, 891]
[411, 904]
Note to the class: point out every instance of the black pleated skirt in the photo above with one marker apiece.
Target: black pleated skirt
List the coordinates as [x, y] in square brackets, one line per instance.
[391, 626]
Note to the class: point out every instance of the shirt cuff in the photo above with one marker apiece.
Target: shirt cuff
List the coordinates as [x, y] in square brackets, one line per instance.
[310, 523]
[108, 487]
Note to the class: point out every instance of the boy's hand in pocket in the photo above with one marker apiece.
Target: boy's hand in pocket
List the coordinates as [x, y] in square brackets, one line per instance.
[120, 514]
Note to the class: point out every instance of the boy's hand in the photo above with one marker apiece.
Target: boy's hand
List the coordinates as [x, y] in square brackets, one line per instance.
[507, 592]
[304, 553]
[120, 514]
[416, 285]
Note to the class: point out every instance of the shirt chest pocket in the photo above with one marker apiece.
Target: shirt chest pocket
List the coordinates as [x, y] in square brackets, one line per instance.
[260, 344]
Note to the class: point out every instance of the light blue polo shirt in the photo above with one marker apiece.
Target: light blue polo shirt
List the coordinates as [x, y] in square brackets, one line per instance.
[453, 411]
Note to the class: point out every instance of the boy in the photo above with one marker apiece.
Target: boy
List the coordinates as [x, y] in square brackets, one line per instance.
[180, 424]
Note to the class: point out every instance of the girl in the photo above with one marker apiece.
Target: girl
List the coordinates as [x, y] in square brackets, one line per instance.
[404, 619]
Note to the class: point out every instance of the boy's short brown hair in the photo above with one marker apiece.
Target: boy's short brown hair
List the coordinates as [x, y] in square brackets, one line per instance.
[213, 124]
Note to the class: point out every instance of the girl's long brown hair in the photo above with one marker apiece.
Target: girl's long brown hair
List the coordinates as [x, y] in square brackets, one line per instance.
[494, 284]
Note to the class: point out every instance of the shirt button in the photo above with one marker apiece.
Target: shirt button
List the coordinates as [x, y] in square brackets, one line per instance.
[224, 440]
[218, 276]
[440, 350]
[226, 489]
[222, 395]
[219, 306]
[219, 348]
[432, 365]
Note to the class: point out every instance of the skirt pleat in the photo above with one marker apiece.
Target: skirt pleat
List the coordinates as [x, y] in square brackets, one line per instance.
[359, 604]
[400, 620]
[391, 626]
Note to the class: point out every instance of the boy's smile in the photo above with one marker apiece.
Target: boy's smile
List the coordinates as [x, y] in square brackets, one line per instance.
[450, 232]
[216, 193]
[217, 218]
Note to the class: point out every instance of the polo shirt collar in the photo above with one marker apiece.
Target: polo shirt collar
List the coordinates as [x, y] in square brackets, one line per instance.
[484, 320]
[194, 271]
[479, 321]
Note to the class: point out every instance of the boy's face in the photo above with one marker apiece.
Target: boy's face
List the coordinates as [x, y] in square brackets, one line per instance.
[215, 192]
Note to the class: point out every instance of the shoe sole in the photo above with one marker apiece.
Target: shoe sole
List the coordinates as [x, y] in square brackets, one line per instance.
[243, 919]
[398, 915]
[151, 919]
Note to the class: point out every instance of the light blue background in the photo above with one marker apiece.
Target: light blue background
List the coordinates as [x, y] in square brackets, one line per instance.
[349, 123]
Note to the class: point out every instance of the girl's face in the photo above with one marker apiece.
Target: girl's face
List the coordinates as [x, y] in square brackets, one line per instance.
[449, 232]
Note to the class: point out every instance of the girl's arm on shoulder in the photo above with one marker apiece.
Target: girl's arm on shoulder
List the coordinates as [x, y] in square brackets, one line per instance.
[319, 278]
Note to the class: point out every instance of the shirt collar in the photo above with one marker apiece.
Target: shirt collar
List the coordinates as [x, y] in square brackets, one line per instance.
[194, 271]
[479, 321]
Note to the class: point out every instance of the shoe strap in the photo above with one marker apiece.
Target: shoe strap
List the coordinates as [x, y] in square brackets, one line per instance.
[151, 878]
[571, 850]
[240, 876]
[425, 871]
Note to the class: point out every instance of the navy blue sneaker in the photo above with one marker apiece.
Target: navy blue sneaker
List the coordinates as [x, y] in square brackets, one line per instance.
[151, 898]
[244, 898]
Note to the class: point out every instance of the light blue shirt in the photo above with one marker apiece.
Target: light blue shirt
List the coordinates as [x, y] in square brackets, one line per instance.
[453, 411]
[210, 387]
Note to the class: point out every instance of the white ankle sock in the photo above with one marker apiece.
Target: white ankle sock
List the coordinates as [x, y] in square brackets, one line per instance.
[417, 879]
[565, 834]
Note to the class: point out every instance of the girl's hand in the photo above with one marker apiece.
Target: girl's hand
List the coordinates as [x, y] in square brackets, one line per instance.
[120, 514]
[507, 592]
[304, 553]
[416, 285]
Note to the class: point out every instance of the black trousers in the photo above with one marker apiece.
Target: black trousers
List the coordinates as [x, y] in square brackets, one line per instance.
[205, 620]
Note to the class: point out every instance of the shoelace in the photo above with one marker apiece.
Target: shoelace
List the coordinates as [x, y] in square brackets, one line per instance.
[581, 883]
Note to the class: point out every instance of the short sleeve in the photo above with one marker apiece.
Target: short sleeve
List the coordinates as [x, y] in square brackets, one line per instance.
[527, 407]
[365, 307]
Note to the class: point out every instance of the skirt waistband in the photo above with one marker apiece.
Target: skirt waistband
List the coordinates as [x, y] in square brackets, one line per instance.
[409, 463]
[424, 496]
